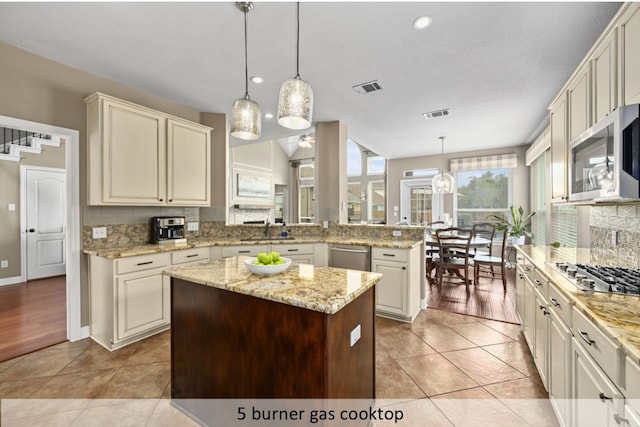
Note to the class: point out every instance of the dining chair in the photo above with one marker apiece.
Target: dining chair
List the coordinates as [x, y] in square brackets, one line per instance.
[453, 246]
[480, 261]
[486, 230]
[431, 251]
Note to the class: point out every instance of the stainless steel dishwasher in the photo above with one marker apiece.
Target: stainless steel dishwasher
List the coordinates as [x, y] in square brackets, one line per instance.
[353, 257]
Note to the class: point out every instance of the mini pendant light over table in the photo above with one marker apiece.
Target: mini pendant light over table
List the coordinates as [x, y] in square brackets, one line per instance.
[245, 113]
[443, 182]
[295, 105]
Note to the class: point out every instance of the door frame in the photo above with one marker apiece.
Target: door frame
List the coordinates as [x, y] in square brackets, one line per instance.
[73, 247]
[24, 249]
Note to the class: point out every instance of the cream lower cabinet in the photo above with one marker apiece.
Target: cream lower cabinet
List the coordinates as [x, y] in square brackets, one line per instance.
[139, 156]
[298, 253]
[129, 298]
[398, 292]
[596, 400]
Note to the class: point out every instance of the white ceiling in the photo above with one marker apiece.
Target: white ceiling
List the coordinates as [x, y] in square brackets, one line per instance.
[497, 66]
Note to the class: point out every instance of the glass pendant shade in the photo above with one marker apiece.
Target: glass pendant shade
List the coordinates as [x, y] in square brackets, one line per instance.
[442, 183]
[295, 104]
[245, 119]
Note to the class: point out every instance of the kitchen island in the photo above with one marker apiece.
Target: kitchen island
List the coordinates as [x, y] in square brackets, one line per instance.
[298, 334]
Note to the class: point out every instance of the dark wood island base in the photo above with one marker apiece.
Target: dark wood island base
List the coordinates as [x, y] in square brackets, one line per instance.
[231, 345]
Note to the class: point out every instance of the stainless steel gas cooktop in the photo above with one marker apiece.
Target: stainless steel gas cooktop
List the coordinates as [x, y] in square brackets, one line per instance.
[617, 280]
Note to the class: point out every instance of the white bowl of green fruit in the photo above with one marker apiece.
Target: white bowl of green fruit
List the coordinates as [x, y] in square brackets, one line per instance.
[267, 264]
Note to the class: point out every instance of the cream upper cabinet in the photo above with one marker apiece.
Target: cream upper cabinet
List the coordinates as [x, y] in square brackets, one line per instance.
[604, 76]
[578, 96]
[559, 149]
[139, 156]
[188, 163]
[629, 33]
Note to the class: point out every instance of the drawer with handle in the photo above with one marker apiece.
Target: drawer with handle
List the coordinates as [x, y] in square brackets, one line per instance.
[603, 350]
[248, 250]
[390, 254]
[286, 250]
[143, 262]
[560, 305]
[189, 255]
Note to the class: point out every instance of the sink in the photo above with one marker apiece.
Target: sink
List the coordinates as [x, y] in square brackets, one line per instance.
[265, 239]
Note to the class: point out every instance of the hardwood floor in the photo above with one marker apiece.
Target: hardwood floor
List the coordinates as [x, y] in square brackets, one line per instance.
[33, 315]
[487, 300]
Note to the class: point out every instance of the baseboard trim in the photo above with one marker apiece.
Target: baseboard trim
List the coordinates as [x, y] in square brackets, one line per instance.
[11, 280]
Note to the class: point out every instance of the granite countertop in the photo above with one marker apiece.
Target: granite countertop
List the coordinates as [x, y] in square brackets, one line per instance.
[323, 289]
[618, 316]
[147, 249]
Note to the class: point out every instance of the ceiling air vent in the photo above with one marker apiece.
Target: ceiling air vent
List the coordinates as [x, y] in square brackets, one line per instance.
[436, 114]
[363, 88]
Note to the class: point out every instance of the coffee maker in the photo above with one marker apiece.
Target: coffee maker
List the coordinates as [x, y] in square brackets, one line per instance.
[167, 230]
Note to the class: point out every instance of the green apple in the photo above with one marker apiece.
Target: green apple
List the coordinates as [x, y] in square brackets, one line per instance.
[275, 256]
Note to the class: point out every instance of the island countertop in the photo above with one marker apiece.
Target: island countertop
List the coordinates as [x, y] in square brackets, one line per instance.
[323, 289]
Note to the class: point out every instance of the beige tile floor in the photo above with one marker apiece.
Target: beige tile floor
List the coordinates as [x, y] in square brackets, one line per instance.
[444, 369]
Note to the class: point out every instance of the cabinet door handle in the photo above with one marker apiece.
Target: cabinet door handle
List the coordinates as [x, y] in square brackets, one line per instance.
[170, 200]
[554, 302]
[521, 276]
[538, 283]
[244, 252]
[145, 263]
[293, 250]
[404, 268]
[192, 255]
[389, 254]
[161, 199]
[585, 337]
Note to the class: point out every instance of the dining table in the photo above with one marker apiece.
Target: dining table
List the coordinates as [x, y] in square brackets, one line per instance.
[476, 241]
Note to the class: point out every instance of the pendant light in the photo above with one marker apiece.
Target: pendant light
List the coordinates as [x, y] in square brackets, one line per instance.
[245, 113]
[295, 104]
[443, 182]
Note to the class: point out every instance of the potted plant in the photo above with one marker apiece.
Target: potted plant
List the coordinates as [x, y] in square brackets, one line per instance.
[517, 226]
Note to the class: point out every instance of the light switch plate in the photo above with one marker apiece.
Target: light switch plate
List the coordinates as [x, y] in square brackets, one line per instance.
[99, 232]
[11, 207]
[4, 263]
[192, 226]
[325, 224]
[356, 333]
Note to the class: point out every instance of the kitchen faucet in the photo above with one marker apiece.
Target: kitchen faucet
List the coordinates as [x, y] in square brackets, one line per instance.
[266, 228]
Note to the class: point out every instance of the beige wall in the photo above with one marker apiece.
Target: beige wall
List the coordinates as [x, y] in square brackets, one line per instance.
[396, 168]
[36, 89]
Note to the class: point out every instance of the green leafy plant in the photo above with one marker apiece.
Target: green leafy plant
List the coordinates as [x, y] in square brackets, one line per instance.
[517, 225]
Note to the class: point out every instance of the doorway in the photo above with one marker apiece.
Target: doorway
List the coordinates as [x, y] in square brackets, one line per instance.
[71, 219]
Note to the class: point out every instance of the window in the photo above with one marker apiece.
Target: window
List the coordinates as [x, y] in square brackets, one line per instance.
[538, 221]
[481, 193]
[421, 211]
[354, 159]
[376, 201]
[355, 196]
[375, 165]
[306, 202]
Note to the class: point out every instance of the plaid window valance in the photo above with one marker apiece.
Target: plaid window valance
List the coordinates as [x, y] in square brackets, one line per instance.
[485, 162]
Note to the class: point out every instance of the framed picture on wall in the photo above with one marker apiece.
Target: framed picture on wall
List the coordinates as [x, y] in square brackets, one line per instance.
[253, 185]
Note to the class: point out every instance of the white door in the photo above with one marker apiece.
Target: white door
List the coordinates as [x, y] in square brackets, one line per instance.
[45, 226]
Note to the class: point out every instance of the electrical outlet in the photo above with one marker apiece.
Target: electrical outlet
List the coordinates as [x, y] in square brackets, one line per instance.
[614, 237]
[4, 263]
[11, 207]
[99, 232]
[397, 233]
[355, 335]
[325, 224]
[192, 226]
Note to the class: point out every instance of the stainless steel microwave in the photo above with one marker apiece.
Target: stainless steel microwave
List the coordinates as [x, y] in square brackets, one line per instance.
[604, 161]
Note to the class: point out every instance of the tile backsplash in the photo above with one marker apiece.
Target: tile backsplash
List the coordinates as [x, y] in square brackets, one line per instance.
[624, 221]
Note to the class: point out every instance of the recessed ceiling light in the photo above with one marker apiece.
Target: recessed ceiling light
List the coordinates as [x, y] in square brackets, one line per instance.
[257, 79]
[422, 22]
[268, 116]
